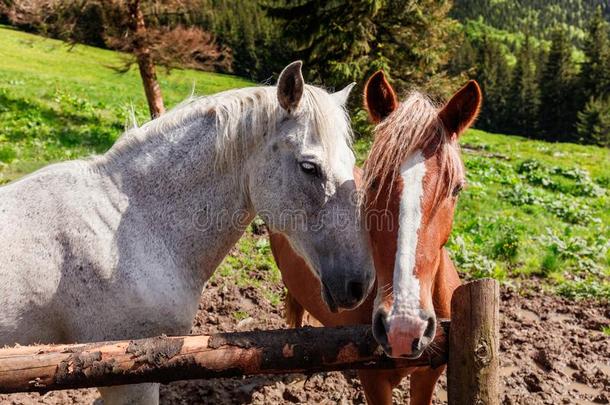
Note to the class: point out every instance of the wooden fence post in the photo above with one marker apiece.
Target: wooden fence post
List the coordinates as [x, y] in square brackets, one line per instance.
[473, 367]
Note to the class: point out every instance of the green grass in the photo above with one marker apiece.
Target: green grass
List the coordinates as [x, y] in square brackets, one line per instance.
[531, 210]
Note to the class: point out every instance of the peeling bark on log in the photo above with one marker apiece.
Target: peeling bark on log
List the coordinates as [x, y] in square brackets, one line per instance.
[472, 372]
[165, 359]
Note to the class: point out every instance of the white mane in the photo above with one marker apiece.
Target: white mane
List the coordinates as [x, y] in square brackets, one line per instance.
[243, 117]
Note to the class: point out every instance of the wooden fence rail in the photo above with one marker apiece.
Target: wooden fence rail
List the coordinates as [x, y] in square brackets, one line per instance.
[306, 350]
[165, 359]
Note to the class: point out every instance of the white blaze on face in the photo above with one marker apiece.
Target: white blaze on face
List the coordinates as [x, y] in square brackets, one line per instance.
[406, 285]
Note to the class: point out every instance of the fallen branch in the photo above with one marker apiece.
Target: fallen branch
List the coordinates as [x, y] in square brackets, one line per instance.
[166, 359]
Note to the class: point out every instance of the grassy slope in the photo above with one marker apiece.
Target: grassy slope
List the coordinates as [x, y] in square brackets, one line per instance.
[513, 220]
[58, 102]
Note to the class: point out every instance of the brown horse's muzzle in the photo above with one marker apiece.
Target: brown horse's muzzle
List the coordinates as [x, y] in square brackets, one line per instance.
[406, 334]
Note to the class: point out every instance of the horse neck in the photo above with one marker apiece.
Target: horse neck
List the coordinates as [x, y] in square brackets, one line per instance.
[171, 182]
[445, 282]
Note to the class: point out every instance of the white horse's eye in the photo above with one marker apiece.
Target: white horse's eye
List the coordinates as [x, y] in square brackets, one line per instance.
[309, 168]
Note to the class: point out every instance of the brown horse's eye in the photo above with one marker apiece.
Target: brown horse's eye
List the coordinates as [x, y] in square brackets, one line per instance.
[457, 189]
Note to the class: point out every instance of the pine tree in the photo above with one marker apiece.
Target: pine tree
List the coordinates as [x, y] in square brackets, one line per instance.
[416, 39]
[557, 92]
[494, 78]
[594, 116]
[345, 40]
[525, 96]
[594, 122]
[332, 37]
[252, 36]
[595, 76]
[465, 59]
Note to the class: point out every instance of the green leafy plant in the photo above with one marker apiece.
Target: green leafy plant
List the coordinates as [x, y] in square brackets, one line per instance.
[573, 181]
[468, 261]
[579, 254]
[583, 289]
[506, 246]
[569, 209]
[551, 262]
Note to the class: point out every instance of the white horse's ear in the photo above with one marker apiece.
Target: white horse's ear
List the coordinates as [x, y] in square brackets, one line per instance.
[290, 86]
[341, 96]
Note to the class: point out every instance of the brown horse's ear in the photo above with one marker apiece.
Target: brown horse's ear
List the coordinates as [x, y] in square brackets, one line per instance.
[461, 111]
[379, 97]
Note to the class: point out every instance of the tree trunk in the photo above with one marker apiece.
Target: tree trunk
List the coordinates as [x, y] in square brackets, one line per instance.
[144, 57]
[472, 372]
[164, 359]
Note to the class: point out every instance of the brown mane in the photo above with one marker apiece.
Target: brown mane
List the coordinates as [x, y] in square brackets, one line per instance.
[414, 125]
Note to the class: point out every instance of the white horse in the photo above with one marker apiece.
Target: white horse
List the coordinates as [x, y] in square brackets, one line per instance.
[121, 246]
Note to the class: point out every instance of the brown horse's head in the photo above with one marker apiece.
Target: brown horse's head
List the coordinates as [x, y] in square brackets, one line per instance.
[412, 179]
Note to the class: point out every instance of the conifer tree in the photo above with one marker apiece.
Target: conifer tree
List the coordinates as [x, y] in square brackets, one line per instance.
[465, 59]
[525, 96]
[332, 37]
[416, 39]
[596, 70]
[594, 122]
[345, 40]
[494, 77]
[557, 92]
[251, 35]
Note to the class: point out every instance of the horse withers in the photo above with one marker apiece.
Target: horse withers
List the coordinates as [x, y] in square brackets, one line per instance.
[120, 246]
[412, 179]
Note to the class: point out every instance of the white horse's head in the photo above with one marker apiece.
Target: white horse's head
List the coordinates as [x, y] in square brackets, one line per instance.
[301, 183]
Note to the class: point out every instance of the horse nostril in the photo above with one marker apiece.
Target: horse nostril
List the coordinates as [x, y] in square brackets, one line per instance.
[430, 328]
[355, 289]
[415, 346]
[379, 329]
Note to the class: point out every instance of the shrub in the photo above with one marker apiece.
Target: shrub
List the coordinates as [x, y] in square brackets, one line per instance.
[7, 154]
[571, 210]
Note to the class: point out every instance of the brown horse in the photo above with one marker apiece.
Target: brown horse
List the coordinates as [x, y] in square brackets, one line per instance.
[411, 182]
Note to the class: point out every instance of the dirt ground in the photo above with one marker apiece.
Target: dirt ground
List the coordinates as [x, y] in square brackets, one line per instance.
[552, 352]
